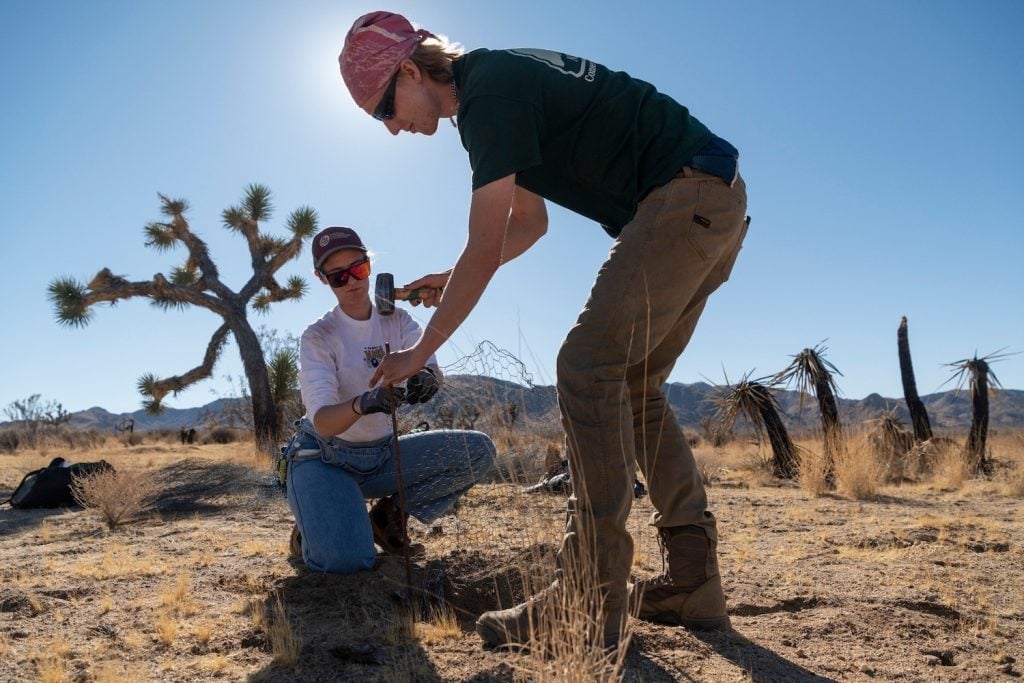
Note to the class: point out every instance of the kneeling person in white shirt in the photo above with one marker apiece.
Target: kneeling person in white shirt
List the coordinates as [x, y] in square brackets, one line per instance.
[341, 453]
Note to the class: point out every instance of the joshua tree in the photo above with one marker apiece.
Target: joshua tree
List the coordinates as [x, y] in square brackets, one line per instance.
[811, 372]
[977, 372]
[197, 283]
[918, 413]
[754, 401]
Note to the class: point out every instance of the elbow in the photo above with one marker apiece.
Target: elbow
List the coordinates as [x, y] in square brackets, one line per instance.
[541, 227]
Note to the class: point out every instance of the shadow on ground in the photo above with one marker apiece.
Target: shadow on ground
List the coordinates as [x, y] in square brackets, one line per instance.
[356, 627]
[760, 663]
[201, 486]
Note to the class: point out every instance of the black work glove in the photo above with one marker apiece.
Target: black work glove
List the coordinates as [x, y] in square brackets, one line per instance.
[421, 387]
[378, 400]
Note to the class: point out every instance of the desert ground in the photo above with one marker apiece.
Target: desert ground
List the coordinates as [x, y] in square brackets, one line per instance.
[919, 580]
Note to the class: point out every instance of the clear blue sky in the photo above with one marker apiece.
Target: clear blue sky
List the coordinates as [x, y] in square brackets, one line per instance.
[877, 140]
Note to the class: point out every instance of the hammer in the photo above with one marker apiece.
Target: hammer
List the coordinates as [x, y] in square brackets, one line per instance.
[385, 294]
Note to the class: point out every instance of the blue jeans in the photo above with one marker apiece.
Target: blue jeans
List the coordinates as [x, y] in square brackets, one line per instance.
[329, 481]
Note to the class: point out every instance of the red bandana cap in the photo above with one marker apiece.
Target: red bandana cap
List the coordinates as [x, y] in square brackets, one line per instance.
[374, 47]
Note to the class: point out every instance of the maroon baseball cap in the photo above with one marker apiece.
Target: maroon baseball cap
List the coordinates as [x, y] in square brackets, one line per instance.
[332, 239]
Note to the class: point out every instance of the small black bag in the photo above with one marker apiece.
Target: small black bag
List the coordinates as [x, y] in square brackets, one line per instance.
[50, 487]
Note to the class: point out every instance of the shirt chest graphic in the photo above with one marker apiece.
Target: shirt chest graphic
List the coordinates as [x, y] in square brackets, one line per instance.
[373, 355]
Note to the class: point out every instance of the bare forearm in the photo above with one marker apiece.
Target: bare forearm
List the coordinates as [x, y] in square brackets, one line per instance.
[468, 280]
[335, 419]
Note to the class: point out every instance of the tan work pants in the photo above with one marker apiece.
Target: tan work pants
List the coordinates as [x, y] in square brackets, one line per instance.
[642, 310]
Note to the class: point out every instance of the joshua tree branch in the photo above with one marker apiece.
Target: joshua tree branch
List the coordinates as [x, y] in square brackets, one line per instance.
[158, 388]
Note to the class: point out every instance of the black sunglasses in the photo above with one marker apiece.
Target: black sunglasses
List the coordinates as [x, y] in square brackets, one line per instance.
[360, 270]
[386, 107]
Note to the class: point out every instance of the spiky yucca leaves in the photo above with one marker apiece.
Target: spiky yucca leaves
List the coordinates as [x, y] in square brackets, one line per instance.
[754, 400]
[976, 373]
[197, 283]
[68, 296]
[295, 289]
[283, 369]
[810, 372]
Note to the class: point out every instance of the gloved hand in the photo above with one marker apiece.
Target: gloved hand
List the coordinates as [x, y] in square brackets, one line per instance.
[421, 387]
[378, 400]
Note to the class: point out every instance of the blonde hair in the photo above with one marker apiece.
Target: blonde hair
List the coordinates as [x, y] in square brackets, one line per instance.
[435, 56]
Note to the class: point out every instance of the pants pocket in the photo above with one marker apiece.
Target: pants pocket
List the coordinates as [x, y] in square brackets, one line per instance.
[361, 462]
[730, 261]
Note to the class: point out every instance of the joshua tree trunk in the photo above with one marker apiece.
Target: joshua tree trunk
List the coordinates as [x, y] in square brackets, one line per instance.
[978, 436]
[784, 462]
[811, 371]
[264, 412]
[755, 402]
[829, 421]
[918, 413]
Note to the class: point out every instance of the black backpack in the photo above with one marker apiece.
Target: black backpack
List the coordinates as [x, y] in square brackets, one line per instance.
[50, 487]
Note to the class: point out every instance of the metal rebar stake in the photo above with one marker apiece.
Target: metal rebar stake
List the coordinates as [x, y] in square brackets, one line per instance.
[401, 489]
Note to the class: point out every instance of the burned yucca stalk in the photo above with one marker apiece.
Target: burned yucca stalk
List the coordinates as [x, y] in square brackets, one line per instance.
[977, 373]
[918, 413]
[197, 283]
[755, 402]
[811, 373]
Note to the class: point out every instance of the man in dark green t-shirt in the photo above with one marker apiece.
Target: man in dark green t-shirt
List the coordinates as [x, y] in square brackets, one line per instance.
[545, 125]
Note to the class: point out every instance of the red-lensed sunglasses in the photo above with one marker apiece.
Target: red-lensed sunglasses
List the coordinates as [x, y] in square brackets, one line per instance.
[359, 270]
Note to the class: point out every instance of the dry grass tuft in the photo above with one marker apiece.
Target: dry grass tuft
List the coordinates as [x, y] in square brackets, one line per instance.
[119, 496]
[203, 633]
[440, 626]
[214, 665]
[1014, 486]
[813, 475]
[177, 599]
[108, 672]
[400, 627]
[951, 469]
[858, 470]
[285, 644]
[51, 663]
[166, 628]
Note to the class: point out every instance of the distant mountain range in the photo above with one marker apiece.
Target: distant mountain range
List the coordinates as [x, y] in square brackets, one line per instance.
[948, 411]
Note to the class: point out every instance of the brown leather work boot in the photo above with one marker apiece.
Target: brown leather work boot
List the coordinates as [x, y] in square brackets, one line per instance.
[295, 542]
[689, 593]
[526, 625]
[387, 521]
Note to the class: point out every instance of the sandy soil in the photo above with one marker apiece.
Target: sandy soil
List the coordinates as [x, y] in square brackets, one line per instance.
[921, 584]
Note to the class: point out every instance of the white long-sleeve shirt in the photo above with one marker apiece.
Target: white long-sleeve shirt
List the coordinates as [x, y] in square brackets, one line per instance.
[337, 357]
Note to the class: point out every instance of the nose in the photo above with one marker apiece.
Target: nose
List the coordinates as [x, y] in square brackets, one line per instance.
[392, 126]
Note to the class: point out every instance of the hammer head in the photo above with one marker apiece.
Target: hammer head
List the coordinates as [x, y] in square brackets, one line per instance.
[384, 293]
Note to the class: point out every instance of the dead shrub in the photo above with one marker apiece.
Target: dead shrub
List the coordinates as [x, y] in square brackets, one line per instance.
[891, 444]
[10, 440]
[222, 435]
[119, 496]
